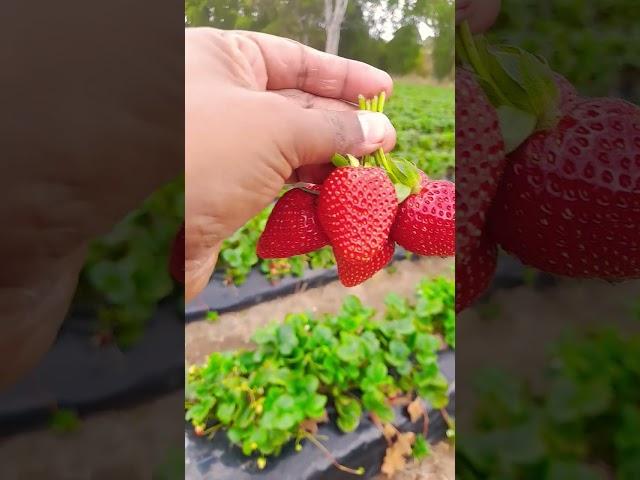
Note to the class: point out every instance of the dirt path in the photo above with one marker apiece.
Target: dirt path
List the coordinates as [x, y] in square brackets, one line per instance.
[527, 321]
[116, 444]
[440, 465]
[233, 330]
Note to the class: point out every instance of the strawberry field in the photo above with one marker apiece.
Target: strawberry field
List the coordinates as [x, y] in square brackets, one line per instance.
[271, 397]
[401, 301]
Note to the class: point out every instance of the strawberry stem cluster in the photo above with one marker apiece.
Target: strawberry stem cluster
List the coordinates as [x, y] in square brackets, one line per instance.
[404, 174]
[351, 362]
[518, 84]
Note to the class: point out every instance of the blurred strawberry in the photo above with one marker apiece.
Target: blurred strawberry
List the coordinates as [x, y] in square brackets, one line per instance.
[569, 202]
[480, 159]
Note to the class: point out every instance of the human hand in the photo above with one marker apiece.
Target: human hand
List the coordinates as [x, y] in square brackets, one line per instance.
[89, 131]
[261, 111]
[481, 14]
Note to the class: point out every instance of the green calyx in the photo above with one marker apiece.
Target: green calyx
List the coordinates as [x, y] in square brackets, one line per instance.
[404, 174]
[518, 84]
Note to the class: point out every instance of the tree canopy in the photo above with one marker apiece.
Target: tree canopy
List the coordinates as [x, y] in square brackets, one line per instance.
[365, 24]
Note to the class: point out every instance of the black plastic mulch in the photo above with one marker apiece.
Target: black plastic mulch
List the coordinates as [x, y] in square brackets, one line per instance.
[79, 375]
[257, 289]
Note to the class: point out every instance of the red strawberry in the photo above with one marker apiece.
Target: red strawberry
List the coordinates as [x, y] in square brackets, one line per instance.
[474, 272]
[569, 202]
[426, 222]
[354, 272]
[293, 227]
[480, 159]
[357, 207]
[567, 92]
[176, 261]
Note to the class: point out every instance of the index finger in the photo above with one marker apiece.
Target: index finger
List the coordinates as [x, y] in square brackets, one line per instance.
[290, 64]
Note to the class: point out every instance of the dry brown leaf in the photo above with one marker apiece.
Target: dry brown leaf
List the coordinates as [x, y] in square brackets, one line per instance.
[394, 461]
[389, 431]
[405, 442]
[310, 426]
[402, 401]
[416, 410]
[395, 457]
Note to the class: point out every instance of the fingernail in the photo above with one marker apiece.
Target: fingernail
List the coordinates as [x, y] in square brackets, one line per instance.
[375, 126]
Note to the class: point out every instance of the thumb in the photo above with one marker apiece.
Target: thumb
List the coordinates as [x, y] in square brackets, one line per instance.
[314, 135]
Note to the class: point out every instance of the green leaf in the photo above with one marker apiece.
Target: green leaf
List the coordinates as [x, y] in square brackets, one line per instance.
[225, 412]
[349, 413]
[339, 160]
[287, 339]
[421, 448]
[516, 126]
[402, 191]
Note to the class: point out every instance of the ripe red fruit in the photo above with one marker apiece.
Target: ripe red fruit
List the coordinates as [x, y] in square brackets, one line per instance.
[176, 260]
[567, 92]
[357, 206]
[426, 222]
[569, 202]
[480, 159]
[474, 272]
[354, 272]
[293, 227]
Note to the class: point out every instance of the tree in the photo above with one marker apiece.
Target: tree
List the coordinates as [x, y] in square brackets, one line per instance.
[334, 12]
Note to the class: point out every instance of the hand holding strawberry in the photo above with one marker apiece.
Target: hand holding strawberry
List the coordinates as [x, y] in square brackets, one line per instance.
[364, 206]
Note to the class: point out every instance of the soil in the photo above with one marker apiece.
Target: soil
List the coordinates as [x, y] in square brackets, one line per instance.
[113, 444]
[440, 465]
[233, 330]
[525, 322]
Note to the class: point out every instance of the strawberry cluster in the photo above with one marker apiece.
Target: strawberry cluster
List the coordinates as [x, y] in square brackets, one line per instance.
[363, 209]
[550, 177]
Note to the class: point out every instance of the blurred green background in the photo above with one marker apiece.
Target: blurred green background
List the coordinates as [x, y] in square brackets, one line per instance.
[594, 43]
[400, 36]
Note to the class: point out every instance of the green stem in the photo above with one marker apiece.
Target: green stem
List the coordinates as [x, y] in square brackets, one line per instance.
[475, 60]
[381, 100]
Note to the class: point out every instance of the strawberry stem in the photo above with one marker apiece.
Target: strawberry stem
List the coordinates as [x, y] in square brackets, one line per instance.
[472, 54]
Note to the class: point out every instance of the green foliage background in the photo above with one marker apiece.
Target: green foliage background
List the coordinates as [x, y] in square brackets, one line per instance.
[302, 20]
[593, 43]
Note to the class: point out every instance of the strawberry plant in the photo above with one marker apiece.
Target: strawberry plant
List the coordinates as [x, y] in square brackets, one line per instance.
[310, 369]
[583, 424]
[126, 272]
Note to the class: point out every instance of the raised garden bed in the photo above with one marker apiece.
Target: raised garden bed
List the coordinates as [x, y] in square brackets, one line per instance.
[217, 459]
[363, 449]
[257, 289]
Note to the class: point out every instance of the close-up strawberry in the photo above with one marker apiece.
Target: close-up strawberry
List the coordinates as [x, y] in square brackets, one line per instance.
[474, 272]
[354, 272]
[480, 159]
[569, 202]
[357, 207]
[293, 228]
[426, 222]
[567, 94]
